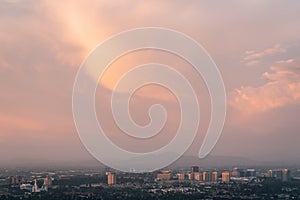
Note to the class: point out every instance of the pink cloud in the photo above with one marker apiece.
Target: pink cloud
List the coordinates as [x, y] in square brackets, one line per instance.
[252, 63]
[252, 57]
[282, 88]
[16, 122]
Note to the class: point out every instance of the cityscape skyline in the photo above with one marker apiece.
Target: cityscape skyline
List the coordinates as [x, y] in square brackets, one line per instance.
[256, 50]
[191, 182]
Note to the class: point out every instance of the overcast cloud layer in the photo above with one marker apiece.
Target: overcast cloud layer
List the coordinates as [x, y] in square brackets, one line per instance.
[255, 44]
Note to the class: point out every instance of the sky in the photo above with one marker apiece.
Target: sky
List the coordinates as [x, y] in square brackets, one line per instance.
[255, 45]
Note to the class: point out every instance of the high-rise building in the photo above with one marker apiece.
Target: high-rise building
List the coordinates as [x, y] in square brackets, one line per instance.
[164, 175]
[190, 176]
[111, 178]
[286, 175]
[180, 176]
[236, 172]
[207, 176]
[280, 174]
[35, 187]
[195, 169]
[210, 176]
[15, 180]
[225, 176]
[215, 176]
[198, 176]
[47, 181]
[250, 173]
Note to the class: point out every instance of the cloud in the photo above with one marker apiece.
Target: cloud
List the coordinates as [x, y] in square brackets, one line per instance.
[253, 63]
[44, 42]
[17, 122]
[251, 58]
[282, 88]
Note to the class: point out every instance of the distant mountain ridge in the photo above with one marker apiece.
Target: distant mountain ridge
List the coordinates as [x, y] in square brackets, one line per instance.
[184, 162]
